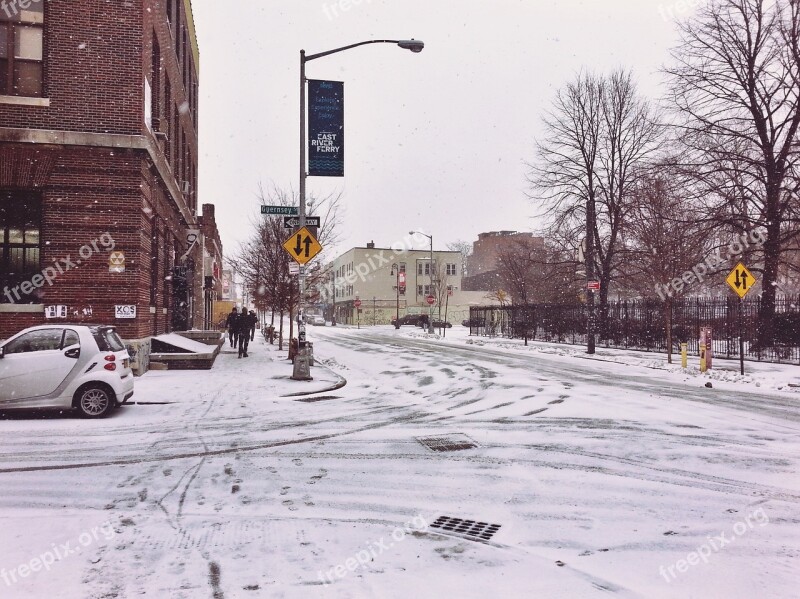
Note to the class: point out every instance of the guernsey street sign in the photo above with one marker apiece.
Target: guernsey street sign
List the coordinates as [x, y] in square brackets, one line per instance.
[285, 210]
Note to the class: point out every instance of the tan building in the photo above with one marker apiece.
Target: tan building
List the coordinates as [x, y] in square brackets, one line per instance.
[367, 273]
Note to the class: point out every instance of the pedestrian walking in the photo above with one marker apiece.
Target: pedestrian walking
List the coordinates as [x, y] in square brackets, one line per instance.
[243, 330]
[230, 323]
[253, 324]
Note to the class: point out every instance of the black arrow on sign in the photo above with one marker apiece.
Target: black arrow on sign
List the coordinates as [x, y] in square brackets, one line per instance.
[300, 242]
[743, 284]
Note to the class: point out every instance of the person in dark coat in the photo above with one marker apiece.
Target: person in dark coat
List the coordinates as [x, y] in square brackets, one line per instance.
[243, 329]
[253, 324]
[230, 323]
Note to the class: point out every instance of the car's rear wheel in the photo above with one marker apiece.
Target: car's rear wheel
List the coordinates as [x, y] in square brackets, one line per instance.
[94, 401]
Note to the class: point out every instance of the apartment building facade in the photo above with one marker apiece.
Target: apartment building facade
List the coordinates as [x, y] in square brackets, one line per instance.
[98, 166]
[369, 274]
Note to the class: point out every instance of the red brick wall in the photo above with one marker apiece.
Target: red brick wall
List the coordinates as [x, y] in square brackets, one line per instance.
[93, 69]
[97, 54]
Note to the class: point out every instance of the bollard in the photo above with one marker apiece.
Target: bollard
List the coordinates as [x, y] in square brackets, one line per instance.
[702, 357]
[302, 370]
[684, 357]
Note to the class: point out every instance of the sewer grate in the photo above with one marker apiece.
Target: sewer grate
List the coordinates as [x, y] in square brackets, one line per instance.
[471, 529]
[455, 442]
[320, 398]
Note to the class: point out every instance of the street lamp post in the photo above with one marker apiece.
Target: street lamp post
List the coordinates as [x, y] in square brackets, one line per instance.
[415, 46]
[430, 289]
[396, 272]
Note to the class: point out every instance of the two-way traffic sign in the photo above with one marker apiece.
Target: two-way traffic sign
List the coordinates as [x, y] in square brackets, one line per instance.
[302, 246]
[741, 280]
[292, 222]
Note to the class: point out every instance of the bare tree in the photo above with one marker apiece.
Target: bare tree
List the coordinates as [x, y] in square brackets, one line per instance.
[465, 248]
[536, 273]
[599, 134]
[735, 84]
[263, 263]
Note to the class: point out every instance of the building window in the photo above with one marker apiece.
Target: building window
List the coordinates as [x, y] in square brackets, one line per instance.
[451, 269]
[20, 255]
[402, 267]
[22, 49]
[419, 289]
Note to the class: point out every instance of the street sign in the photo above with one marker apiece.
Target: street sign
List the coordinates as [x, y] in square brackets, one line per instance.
[593, 285]
[289, 210]
[302, 246]
[357, 303]
[430, 299]
[292, 222]
[740, 280]
[294, 268]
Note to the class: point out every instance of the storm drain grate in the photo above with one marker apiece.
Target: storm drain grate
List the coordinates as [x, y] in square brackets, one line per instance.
[472, 529]
[320, 398]
[448, 442]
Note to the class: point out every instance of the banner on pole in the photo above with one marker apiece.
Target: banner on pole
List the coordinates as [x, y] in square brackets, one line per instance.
[325, 128]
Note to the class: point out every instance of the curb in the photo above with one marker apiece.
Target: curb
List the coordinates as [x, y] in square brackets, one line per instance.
[338, 385]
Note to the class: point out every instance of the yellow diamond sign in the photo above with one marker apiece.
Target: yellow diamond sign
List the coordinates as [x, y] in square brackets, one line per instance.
[302, 246]
[741, 280]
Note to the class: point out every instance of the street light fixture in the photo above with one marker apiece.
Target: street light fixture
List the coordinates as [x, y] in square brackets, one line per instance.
[415, 46]
[430, 317]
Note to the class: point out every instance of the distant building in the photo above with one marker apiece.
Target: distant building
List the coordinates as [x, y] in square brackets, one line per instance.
[482, 266]
[365, 273]
[99, 148]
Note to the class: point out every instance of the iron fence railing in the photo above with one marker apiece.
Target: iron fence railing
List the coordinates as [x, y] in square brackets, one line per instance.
[641, 325]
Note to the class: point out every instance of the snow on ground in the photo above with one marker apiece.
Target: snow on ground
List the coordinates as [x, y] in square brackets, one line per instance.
[605, 479]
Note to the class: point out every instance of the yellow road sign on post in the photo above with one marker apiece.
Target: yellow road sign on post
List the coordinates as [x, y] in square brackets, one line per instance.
[302, 246]
[741, 280]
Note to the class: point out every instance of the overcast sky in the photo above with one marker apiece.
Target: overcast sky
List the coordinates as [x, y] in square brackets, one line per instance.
[434, 141]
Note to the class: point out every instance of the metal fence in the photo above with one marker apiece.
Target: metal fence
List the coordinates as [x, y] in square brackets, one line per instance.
[641, 325]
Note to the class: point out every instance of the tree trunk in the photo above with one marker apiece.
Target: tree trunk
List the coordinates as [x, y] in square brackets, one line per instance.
[772, 254]
[668, 325]
[280, 332]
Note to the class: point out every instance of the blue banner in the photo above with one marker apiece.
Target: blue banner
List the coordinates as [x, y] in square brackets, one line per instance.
[325, 128]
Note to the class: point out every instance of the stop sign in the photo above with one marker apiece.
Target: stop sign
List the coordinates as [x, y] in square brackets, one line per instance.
[430, 299]
[357, 303]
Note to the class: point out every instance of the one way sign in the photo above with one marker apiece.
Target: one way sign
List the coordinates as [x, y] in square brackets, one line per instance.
[292, 222]
[302, 246]
[740, 280]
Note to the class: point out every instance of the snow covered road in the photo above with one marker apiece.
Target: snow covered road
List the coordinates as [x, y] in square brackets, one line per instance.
[604, 481]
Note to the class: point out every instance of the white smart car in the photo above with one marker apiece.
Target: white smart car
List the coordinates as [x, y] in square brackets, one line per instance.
[85, 367]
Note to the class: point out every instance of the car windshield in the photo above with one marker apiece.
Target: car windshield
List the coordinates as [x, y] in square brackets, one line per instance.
[108, 340]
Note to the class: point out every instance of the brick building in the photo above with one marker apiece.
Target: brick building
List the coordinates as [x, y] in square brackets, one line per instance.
[98, 166]
[482, 267]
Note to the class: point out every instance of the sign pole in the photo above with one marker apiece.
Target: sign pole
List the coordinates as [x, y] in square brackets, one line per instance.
[741, 338]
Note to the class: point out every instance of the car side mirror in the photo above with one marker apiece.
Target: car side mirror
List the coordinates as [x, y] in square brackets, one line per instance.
[75, 352]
